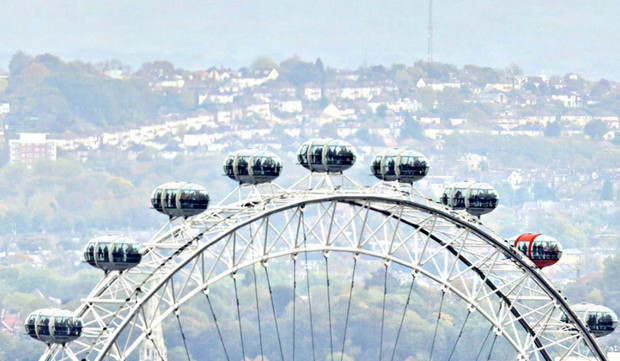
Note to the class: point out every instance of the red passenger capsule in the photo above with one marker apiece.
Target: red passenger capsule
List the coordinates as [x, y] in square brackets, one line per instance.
[543, 250]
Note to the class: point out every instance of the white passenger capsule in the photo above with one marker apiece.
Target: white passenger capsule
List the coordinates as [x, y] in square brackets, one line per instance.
[402, 165]
[180, 199]
[253, 166]
[480, 198]
[113, 253]
[600, 320]
[326, 155]
[52, 325]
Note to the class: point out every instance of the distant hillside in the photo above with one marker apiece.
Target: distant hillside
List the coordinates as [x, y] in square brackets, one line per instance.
[49, 95]
[553, 36]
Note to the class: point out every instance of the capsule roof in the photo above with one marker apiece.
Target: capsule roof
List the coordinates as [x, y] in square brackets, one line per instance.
[252, 166]
[180, 199]
[326, 155]
[399, 164]
[113, 253]
[52, 325]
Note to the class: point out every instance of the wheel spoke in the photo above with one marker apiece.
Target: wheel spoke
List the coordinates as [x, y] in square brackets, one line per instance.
[402, 319]
[443, 295]
[217, 327]
[346, 322]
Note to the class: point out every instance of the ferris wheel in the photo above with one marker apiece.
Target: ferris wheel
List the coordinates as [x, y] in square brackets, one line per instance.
[326, 269]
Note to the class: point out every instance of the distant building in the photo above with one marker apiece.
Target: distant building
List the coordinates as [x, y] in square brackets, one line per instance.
[541, 117]
[577, 117]
[498, 98]
[430, 120]
[289, 106]
[31, 147]
[11, 323]
[5, 108]
[175, 83]
[476, 162]
[570, 99]
[312, 93]
[435, 85]
[503, 87]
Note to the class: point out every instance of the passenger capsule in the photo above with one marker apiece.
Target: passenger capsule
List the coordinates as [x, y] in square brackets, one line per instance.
[480, 198]
[113, 253]
[253, 166]
[52, 325]
[402, 165]
[326, 155]
[600, 320]
[543, 250]
[180, 199]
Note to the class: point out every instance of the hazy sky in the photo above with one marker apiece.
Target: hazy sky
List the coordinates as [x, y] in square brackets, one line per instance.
[550, 36]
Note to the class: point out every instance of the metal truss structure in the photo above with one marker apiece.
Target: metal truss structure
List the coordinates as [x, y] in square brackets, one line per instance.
[320, 217]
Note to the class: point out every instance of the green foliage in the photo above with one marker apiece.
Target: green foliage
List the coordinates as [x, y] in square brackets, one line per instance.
[49, 95]
[427, 99]
[480, 76]
[478, 118]
[553, 129]
[595, 129]
[19, 61]
[382, 111]
[611, 291]
[263, 63]
[450, 103]
[298, 72]
[412, 129]
[524, 152]
[607, 193]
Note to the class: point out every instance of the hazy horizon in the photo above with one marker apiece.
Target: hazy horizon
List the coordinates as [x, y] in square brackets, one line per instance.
[554, 37]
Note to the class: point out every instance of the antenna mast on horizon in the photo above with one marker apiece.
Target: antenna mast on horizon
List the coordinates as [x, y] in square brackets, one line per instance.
[429, 55]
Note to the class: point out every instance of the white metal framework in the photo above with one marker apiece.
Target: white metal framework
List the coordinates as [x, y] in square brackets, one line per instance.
[323, 221]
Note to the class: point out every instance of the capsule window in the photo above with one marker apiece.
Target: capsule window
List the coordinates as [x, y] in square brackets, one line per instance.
[523, 247]
[270, 167]
[413, 166]
[302, 156]
[445, 197]
[30, 328]
[545, 250]
[195, 199]
[482, 198]
[62, 326]
[600, 321]
[170, 198]
[337, 154]
[346, 155]
[90, 253]
[389, 166]
[132, 254]
[156, 198]
[242, 166]
[103, 254]
[375, 167]
[458, 200]
[118, 254]
[43, 325]
[75, 327]
[191, 198]
[317, 154]
[229, 166]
